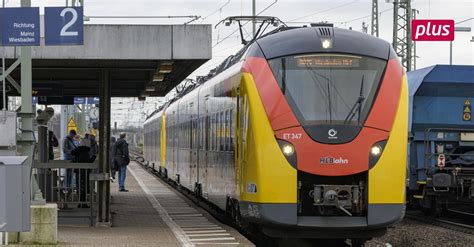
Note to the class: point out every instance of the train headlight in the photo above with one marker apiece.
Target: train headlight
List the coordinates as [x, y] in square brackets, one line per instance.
[289, 151]
[326, 43]
[376, 150]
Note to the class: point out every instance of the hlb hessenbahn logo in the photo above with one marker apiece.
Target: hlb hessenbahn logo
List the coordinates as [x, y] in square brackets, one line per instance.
[432, 30]
[328, 160]
[332, 134]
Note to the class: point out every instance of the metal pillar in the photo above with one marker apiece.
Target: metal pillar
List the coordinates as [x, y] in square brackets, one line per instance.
[104, 137]
[43, 150]
[26, 141]
[374, 28]
[402, 43]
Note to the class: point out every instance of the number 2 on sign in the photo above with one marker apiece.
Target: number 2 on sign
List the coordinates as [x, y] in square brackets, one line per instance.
[64, 30]
[292, 136]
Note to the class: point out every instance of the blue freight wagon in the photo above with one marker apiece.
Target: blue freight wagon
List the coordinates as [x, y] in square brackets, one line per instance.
[441, 137]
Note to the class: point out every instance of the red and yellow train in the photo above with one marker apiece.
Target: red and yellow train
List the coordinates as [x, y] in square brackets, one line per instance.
[303, 133]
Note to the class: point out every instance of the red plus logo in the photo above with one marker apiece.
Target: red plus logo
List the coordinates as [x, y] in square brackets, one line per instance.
[432, 30]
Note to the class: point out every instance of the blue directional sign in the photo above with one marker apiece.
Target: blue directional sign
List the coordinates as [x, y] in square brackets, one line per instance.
[87, 101]
[64, 26]
[79, 101]
[19, 26]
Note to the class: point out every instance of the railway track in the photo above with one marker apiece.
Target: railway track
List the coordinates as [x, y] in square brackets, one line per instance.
[452, 222]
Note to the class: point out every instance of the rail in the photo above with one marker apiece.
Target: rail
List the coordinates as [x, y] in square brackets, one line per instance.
[449, 223]
[70, 185]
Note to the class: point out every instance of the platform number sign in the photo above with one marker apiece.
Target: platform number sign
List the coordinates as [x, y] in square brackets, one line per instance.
[467, 110]
[64, 25]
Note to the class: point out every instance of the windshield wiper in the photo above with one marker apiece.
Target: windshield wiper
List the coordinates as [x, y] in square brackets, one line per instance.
[283, 79]
[357, 107]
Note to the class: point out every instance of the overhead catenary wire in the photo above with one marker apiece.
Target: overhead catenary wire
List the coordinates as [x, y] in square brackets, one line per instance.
[243, 25]
[362, 17]
[216, 11]
[143, 16]
[324, 10]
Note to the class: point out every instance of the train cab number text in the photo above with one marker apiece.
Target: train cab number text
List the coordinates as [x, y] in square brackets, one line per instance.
[292, 136]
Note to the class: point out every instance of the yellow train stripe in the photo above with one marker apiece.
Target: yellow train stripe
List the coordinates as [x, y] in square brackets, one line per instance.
[267, 177]
[387, 178]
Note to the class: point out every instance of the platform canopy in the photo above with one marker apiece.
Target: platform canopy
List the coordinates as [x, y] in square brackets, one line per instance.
[137, 58]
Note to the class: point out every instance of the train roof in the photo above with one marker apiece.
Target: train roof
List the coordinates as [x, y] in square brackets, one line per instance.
[308, 40]
[298, 40]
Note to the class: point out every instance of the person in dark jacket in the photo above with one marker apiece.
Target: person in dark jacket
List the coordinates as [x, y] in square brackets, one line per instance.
[113, 165]
[68, 145]
[53, 142]
[122, 157]
[81, 155]
[94, 148]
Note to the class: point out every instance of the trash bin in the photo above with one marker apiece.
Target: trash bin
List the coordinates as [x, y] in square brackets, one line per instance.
[14, 194]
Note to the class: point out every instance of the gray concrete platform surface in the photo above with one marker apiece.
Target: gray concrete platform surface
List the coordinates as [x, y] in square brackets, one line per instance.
[152, 214]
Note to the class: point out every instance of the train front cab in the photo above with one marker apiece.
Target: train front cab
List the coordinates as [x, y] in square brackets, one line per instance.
[358, 196]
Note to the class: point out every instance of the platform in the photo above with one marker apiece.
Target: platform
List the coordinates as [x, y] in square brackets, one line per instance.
[152, 214]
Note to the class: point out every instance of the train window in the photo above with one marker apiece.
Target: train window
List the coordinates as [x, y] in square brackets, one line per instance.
[207, 133]
[312, 82]
[214, 132]
[218, 130]
[227, 130]
[222, 132]
[231, 131]
[226, 139]
[211, 132]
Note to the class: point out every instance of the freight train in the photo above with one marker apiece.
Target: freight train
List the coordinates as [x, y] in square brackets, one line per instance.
[302, 133]
[441, 147]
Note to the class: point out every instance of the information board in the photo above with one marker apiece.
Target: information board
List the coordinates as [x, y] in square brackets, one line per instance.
[19, 26]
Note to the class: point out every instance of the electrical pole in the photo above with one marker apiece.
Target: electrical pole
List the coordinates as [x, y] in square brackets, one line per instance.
[414, 12]
[402, 43]
[254, 13]
[374, 28]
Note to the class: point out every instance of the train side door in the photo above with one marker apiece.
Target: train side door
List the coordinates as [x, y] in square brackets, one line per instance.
[204, 152]
[194, 133]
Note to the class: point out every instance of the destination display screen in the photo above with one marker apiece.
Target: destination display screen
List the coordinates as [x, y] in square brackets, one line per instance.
[328, 61]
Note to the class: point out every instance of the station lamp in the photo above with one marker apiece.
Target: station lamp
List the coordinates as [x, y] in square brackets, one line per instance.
[158, 77]
[165, 69]
[144, 94]
[150, 88]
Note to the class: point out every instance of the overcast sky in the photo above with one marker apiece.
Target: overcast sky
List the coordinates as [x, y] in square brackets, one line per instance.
[343, 13]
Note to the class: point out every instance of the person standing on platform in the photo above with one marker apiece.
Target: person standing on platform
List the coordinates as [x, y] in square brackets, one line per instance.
[68, 146]
[113, 165]
[53, 142]
[94, 148]
[85, 141]
[122, 157]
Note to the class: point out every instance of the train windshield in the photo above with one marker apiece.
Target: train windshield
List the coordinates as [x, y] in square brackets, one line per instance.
[329, 89]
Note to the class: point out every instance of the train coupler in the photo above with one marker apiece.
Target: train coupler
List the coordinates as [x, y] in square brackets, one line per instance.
[343, 197]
